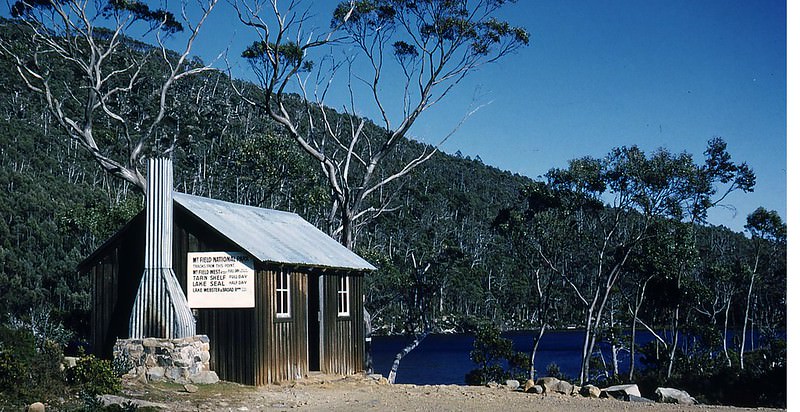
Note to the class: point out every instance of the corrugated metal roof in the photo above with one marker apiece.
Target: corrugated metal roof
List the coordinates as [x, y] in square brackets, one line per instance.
[272, 235]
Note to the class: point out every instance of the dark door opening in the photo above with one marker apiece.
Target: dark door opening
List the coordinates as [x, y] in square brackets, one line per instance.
[314, 315]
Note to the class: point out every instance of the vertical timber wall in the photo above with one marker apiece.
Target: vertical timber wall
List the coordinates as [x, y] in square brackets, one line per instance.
[283, 352]
[115, 277]
[343, 351]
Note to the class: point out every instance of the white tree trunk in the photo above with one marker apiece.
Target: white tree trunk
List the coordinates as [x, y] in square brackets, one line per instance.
[614, 347]
[746, 316]
[675, 322]
[400, 355]
[532, 371]
[725, 332]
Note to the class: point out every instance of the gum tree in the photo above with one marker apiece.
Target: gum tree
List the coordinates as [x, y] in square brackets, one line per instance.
[540, 239]
[403, 57]
[768, 233]
[639, 191]
[107, 92]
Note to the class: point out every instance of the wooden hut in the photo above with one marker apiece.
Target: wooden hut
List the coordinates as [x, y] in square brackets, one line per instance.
[276, 296]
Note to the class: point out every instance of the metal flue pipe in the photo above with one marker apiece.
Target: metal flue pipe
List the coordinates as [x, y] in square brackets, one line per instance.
[160, 308]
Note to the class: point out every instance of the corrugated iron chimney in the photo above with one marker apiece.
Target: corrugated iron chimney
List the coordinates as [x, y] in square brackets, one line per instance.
[160, 309]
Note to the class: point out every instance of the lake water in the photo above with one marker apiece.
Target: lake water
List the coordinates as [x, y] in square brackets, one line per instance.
[444, 359]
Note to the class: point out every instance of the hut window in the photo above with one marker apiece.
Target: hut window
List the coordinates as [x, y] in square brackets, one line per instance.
[282, 295]
[344, 296]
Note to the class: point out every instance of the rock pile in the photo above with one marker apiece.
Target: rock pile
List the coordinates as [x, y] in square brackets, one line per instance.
[183, 360]
[628, 392]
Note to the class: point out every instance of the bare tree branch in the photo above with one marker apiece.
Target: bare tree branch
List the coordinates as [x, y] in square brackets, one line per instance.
[69, 34]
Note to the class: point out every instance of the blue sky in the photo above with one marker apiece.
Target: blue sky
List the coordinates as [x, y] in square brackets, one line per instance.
[602, 74]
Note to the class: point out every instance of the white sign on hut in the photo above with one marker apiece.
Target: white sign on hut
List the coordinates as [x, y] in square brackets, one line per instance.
[220, 280]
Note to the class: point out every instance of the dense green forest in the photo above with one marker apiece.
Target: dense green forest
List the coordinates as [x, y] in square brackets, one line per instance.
[582, 248]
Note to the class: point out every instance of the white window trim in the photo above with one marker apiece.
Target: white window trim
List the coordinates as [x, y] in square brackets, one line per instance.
[343, 296]
[283, 277]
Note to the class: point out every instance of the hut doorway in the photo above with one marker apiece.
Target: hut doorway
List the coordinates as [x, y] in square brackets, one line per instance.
[314, 322]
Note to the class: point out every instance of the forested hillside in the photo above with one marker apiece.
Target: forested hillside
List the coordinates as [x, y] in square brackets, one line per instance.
[462, 240]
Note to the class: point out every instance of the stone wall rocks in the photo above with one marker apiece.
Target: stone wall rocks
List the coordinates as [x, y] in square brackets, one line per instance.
[183, 360]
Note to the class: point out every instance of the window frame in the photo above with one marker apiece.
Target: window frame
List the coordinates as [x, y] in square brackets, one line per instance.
[343, 297]
[283, 295]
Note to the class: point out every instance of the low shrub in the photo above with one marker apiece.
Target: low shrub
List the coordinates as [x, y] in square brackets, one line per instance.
[93, 376]
[554, 371]
[28, 373]
[495, 357]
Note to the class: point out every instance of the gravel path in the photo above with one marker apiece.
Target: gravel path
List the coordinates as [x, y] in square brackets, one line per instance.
[355, 393]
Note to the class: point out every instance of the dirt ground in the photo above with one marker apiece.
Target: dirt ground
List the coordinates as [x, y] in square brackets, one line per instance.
[357, 393]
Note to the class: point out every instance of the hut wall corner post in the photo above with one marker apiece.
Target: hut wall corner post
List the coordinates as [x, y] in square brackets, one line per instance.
[160, 308]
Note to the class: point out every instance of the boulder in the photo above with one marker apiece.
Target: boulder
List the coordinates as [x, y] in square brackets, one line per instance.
[672, 395]
[532, 387]
[590, 391]
[70, 361]
[138, 374]
[528, 385]
[493, 385]
[36, 407]
[549, 383]
[563, 387]
[177, 374]
[190, 388]
[155, 374]
[188, 340]
[204, 378]
[634, 398]
[127, 403]
[512, 384]
[150, 342]
[621, 392]
[150, 360]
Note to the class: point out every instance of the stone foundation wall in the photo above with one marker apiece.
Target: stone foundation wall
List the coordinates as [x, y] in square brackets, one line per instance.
[183, 360]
